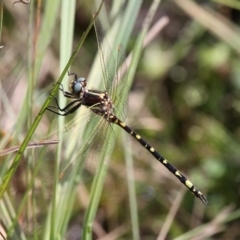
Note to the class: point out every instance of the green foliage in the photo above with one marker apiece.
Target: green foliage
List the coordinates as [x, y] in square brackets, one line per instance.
[184, 100]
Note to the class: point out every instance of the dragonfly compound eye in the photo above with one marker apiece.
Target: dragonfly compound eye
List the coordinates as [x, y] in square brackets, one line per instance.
[78, 85]
[77, 88]
[81, 80]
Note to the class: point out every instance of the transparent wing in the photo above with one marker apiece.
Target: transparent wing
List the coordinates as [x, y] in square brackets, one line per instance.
[106, 56]
[100, 148]
[85, 158]
[114, 71]
[77, 137]
[120, 88]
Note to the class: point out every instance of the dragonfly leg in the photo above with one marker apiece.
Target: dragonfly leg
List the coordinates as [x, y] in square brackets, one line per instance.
[65, 93]
[66, 108]
[75, 75]
[69, 109]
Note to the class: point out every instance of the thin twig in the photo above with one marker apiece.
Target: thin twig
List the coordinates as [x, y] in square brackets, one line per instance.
[30, 145]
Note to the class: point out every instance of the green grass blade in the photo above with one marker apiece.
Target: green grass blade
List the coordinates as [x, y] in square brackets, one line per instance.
[214, 22]
[66, 36]
[47, 27]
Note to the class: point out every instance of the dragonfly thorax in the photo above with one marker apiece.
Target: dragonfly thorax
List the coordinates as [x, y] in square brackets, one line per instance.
[98, 102]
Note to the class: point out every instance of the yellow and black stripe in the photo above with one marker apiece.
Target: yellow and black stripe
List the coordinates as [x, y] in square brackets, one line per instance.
[160, 158]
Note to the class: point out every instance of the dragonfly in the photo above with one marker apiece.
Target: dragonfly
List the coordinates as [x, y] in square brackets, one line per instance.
[107, 104]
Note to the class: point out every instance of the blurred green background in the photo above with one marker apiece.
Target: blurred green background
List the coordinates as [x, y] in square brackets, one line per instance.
[184, 100]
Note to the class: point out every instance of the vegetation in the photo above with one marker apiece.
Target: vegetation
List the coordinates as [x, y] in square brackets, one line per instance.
[184, 99]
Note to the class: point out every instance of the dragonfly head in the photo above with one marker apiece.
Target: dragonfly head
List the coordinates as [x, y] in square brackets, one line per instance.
[77, 86]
